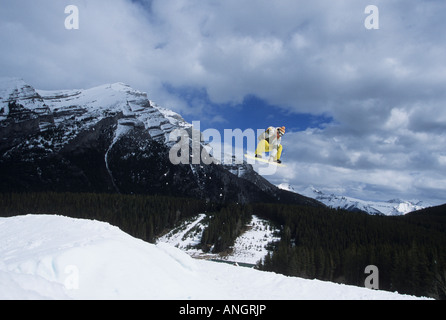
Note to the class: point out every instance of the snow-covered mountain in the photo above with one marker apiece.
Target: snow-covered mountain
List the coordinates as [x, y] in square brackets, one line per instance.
[110, 138]
[394, 207]
[54, 257]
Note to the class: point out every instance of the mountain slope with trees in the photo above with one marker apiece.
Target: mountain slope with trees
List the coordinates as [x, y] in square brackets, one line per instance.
[103, 154]
[323, 243]
[337, 245]
[111, 139]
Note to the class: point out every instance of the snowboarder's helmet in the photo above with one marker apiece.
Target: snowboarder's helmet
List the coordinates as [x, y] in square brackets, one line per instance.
[281, 131]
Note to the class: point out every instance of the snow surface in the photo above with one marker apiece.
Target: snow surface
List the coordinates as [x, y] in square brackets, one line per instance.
[250, 247]
[17, 89]
[54, 257]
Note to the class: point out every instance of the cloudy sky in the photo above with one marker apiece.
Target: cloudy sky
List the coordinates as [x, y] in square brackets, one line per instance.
[364, 108]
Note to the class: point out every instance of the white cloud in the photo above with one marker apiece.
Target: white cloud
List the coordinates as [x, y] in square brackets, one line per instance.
[399, 118]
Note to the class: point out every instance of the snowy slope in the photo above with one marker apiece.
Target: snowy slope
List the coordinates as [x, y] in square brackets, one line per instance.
[393, 207]
[76, 110]
[100, 102]
[54, 257]
[18, 90]
[250, 247]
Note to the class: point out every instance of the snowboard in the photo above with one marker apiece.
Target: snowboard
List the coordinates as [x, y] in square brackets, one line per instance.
[248, 156]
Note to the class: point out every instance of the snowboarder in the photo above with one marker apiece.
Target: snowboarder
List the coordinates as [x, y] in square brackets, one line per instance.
[270, 141]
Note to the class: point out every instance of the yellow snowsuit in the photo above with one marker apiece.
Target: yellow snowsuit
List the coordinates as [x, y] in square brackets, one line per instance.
[270, 142]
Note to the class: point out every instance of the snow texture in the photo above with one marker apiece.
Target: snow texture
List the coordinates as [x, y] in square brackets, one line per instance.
[54, 257]
[249, 248]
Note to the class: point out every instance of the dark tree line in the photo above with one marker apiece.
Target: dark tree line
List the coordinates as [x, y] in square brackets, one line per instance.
[142, 216]
[224, 227]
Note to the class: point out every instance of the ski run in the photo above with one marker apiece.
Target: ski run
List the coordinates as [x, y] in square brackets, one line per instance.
[249, 248]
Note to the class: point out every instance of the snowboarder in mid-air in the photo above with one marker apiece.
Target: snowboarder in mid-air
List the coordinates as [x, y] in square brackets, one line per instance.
[270, 141]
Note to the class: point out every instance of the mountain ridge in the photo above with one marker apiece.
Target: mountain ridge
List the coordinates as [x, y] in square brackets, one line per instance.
[110, 138]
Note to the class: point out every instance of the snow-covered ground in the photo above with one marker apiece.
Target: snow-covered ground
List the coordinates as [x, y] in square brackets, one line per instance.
[54, 257]
[250, 247]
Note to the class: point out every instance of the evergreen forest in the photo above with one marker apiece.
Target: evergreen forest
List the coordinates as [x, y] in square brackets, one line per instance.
[315, 242]
[336, 245]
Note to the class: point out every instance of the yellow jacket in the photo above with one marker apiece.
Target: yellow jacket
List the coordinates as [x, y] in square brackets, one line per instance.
[274, 142]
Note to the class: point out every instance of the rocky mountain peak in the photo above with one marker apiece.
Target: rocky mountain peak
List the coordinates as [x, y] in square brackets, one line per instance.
[110, 138]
